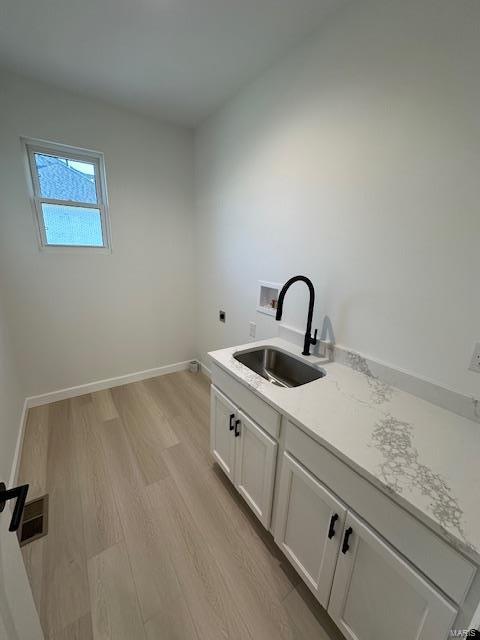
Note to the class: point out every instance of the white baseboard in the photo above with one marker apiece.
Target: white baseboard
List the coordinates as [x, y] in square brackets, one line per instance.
[204, 369]
[90, 387]
[18, 447]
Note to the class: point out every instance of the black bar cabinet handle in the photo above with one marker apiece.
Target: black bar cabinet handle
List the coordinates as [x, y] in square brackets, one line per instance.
[345, 545]
[230, 424]
[237, 430]
[18, 493]
[331, 530]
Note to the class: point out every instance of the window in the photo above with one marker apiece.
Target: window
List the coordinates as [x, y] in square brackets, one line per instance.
[69, 194]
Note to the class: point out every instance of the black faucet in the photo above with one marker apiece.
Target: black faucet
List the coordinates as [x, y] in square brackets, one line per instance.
[308, 334]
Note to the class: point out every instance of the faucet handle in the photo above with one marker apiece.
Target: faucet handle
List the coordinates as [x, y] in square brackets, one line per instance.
[314, 339]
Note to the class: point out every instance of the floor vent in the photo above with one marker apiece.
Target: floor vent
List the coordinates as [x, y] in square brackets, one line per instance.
[34, 523]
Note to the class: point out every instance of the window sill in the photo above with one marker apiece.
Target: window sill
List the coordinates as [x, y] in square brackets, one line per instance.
[77, 250]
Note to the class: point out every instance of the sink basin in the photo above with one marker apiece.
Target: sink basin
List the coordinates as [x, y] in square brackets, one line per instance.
[278, 367]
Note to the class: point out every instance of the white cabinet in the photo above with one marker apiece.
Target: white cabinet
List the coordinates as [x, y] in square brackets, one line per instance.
[222, 425]
[245, 452]
[256, 455]
[309, 526]
[384, 579]
[369, 590]
[376, 594]
[444, 566]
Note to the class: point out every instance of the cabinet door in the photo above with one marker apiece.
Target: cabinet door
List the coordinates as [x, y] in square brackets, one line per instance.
[256, 455]
[222, 441]
[309, 526]
[376, 594]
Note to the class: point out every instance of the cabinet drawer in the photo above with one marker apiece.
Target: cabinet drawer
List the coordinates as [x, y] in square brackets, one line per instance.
[435, 558]
[247, 401]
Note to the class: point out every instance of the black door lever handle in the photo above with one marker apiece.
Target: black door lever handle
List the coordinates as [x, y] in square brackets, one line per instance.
[18, 493]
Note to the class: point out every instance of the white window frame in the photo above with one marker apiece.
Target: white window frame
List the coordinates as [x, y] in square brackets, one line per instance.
[32, 146]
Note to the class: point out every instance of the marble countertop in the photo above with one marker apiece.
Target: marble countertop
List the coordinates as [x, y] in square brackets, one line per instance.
[422, 456]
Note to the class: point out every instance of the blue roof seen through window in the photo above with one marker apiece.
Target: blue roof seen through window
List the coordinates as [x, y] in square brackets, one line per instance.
[60, 179]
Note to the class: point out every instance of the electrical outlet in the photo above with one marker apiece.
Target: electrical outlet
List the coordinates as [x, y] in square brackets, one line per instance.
[222, 316]
[253, 329]
[475, 361]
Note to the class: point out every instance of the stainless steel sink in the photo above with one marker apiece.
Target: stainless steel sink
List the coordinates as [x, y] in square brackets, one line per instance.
[278, 367]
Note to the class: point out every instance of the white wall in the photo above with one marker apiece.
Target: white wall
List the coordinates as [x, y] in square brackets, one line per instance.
[77, 318]
[18, 617]
[11, 400]
[355, 161]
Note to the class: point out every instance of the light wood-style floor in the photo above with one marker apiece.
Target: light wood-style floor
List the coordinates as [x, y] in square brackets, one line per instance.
[147, 539]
